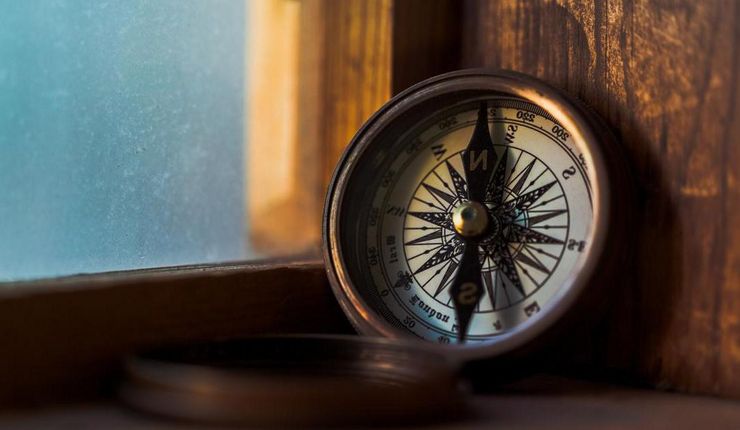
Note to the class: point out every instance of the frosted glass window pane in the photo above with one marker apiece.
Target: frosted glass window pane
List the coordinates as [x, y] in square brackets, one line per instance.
[121, 135]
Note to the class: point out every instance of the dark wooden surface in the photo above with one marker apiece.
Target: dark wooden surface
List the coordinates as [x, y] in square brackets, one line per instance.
[426, 39]
[537, 403]
[665, 77]
[64, 339]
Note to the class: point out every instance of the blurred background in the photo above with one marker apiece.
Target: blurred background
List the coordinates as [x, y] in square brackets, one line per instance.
[122, 135]
[146, 134]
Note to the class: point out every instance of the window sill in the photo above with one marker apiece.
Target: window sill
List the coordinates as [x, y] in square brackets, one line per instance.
[63, 338]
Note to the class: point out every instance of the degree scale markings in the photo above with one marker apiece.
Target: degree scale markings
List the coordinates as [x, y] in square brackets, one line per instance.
[443, 192]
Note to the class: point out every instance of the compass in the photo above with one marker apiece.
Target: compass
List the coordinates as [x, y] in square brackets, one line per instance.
[474, 212]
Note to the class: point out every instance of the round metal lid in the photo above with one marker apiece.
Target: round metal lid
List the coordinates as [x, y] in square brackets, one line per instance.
[324, 380]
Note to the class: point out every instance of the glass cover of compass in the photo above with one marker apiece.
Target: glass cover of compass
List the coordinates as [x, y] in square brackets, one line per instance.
[470, 211]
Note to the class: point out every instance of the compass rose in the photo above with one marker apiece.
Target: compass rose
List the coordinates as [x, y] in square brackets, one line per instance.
[514, 227]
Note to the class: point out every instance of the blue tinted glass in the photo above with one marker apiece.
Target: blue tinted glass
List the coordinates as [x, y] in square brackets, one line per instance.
[121, 135]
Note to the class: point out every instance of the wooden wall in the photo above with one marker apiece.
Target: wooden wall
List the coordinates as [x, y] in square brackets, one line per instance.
[664, 74]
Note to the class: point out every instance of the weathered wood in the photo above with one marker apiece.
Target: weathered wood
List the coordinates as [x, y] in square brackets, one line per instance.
[60, 341]
[665, 77]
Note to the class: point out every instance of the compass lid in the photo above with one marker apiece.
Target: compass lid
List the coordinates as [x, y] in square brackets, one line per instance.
[294, 380]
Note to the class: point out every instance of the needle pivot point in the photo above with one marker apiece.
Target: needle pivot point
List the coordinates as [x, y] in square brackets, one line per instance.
[470, 219]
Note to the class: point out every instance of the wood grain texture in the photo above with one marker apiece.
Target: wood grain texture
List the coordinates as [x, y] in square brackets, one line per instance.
[61, 342]
[665, 77]
[357, 70]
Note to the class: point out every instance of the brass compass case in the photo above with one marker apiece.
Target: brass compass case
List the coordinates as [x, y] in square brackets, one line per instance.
[372, 165]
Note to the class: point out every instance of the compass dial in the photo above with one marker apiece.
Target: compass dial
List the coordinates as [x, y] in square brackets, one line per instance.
[468, 216]
[533, 212]
[528, 230]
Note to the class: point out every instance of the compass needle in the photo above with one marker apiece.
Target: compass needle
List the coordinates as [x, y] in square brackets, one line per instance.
[479, 159]
[467, 288]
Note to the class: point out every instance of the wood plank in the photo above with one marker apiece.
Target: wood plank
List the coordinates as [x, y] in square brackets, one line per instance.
[665, 77]
[63, 339]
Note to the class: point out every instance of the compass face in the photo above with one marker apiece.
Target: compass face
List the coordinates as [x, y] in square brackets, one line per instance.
[474, 214]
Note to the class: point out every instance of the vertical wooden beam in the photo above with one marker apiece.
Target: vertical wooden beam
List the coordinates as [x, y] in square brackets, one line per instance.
[282, 191]
[727, 264]
[357, 70]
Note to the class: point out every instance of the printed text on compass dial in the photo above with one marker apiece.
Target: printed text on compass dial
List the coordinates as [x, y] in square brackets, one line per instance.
[540, 215]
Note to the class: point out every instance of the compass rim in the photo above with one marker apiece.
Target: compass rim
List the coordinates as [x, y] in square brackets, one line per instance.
[588, 135]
